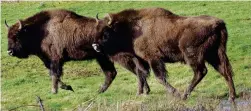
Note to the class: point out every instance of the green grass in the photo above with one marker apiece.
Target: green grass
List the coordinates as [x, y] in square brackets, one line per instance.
[22, 80]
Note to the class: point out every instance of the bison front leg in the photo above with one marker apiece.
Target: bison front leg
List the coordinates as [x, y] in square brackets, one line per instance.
[137, 67]
[109, 70]
[55, 73]
[159, 70]
[55, 69]
[142, 73]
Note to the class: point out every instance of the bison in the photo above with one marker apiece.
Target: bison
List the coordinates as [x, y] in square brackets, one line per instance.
[58, 36]
[159, 36]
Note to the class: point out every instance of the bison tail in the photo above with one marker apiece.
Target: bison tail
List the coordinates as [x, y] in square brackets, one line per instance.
[227, 68]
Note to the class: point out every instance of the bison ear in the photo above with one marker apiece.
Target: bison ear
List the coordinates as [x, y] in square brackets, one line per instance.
[20, 24]
[109, 19]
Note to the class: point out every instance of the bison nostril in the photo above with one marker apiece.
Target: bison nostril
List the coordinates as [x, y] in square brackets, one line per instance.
[10, 52]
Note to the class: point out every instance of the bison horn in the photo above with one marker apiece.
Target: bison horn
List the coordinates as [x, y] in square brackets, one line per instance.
[97, 19]
[6, 25]
[97, 16]
[20, 24]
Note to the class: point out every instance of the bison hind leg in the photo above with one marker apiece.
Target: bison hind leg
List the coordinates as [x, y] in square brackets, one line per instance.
[200, 71]
[221, 64]
[194, 56]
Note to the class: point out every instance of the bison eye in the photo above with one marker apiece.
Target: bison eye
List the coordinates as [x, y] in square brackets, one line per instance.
[24, 29]
[105, 38]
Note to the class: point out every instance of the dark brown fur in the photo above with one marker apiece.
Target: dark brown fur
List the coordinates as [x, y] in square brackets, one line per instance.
[157, 36]
[57, 36]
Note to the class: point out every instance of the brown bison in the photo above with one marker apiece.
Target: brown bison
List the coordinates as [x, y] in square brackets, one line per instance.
[157, 36]
[57, 36]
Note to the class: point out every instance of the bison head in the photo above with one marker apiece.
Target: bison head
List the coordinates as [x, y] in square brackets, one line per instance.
[105, 29]
[17, 40]
[112, 32]
[104, 32]
[113, 28]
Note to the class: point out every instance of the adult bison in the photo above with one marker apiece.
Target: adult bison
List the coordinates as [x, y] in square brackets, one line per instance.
[157, 36]
[57, 36]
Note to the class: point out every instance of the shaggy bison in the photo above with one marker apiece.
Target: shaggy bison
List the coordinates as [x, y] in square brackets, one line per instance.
[157, 36]
[57, 36]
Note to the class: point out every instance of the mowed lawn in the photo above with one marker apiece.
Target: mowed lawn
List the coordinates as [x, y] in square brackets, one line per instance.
[24, 79]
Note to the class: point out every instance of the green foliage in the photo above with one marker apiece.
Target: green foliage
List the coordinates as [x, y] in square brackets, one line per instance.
[23, 79]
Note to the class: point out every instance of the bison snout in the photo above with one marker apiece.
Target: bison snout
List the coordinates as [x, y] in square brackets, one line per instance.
[10, 52]
[96, 47]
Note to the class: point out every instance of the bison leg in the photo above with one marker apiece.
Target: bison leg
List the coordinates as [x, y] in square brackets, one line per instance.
[65, 86]
[142, 73]
[109, 70]
[55, 73]
[159, 70]
[135, 66]
[200, 71]
[55, 69]
[54, 86]
[195, 58]
[139, 70]
[57, 81]
[146, 86]
[222, 65]
[142, 83]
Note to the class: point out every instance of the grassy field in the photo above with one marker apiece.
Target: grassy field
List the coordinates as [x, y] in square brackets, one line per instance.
[23, 80]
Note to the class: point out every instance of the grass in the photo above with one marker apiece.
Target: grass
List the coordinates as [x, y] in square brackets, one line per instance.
[22, 80]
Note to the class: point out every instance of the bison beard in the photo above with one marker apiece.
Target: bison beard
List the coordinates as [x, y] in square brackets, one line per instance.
[58, 36]
[157, 36]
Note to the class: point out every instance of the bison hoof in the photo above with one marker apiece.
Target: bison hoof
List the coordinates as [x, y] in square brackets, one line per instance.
[101, 90]
[67, 87]
[148, 91]
[231, 100]
[177, 94]
[54, 91]
[184, 96]
[139, 93]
